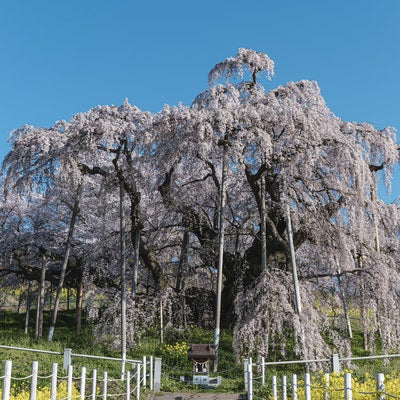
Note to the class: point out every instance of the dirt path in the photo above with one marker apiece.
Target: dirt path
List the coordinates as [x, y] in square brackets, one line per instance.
[199, 396]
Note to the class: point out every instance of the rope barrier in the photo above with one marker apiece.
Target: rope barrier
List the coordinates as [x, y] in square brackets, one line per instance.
[45, 377]
[21, 378]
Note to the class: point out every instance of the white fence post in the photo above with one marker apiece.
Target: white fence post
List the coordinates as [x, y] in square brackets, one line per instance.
[284, 387]
[326, 389]
[294, 387]
[307, 386]
[274, 388]
[380, 387]
[335, 363]
[105, 377]
[348, 395]
[157, 375]
[67, 358]
[69, 382]
[137, 381]
[144, 371]
[128, 385]
[33, 385]
[250, 380]
[5, 395]
[53, 384]
[151, 373]
[83, 383]
[94, 384]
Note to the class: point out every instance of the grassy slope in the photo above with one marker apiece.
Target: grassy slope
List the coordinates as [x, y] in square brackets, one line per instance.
[12, 334]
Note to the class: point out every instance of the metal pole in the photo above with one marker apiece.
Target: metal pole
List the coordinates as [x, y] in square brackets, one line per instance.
[263, 229]
[123, 276]
[220, 254]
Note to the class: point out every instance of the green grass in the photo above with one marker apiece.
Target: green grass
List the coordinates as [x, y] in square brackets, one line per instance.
[12, 334]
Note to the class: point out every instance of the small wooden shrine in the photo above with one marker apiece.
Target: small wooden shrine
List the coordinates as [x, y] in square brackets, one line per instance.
[201, 355]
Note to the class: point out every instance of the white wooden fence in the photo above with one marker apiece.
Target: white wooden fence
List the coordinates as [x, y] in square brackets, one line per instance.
[346, 389]
[128, 385]
[144, 373]
[293, 386]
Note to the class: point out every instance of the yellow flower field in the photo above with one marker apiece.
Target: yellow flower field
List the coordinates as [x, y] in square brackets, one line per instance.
[363, 388]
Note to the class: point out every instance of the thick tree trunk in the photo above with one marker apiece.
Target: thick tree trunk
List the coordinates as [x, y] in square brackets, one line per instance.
[65, 263]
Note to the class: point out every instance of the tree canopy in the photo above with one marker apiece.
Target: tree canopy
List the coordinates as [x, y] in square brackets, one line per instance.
[286, 151]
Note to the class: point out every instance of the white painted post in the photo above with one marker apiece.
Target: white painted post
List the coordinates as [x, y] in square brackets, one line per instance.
[144, 371]
[326, 390]
[262, 371]
[250, 380]
[293, 262]
[380, 387]
[83, 383]
[294, 387]
[128, 385]
[137, 381]
[105, 377]
[348, 395]
[284, 387]
[157, 375]
[69, 382]
[67, 358]
[335, 363]
[33, 385]
[5, 394]
[94, 384]
[105, 385]
[274, 388]
[53, 384]
[151, 373]
[307, 386]
[245, 368]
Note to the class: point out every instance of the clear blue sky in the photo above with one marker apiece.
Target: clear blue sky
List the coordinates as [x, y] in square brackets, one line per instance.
[63, 57]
